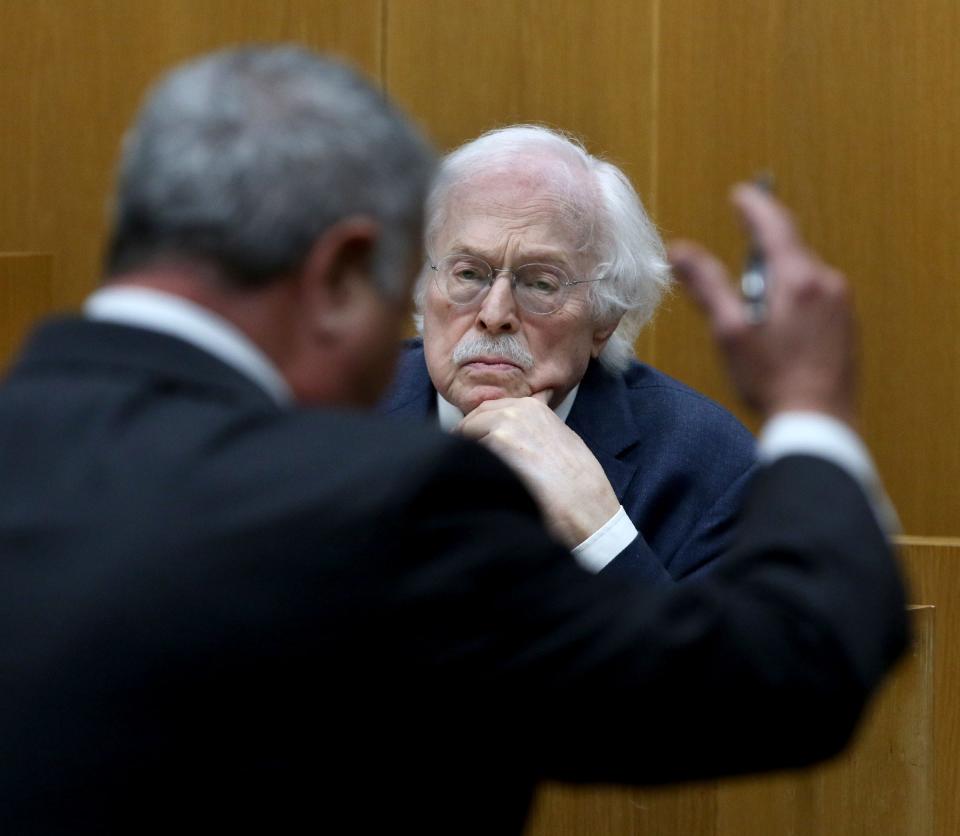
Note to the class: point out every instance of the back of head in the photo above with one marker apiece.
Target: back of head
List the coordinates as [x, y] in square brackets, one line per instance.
[612, 225]
[240, 160]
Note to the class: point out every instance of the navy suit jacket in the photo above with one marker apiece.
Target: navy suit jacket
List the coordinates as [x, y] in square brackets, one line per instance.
[678, 462]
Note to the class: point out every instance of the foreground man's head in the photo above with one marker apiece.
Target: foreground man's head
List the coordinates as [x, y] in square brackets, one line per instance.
[540, 258]
[285, 193]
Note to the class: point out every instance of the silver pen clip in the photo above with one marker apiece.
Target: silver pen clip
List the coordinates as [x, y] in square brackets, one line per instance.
[753, 286]
[754, 281]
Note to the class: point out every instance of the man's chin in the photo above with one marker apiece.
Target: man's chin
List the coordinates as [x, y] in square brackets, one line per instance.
[477, 395]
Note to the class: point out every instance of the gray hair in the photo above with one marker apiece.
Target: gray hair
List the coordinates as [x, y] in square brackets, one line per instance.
[241, 159]
[601, 203]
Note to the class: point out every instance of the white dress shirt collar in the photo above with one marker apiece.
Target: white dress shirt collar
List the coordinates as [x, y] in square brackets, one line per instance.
[175, 316]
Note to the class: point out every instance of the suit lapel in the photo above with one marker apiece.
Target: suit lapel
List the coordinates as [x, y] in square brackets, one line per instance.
[411, 395]
[602, 417]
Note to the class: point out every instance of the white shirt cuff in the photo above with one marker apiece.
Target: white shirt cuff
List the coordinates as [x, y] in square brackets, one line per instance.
[606, 542]
[816, 434]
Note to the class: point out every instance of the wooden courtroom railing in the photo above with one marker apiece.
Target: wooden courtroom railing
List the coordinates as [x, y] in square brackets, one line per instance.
[898, 778]
[26, 295]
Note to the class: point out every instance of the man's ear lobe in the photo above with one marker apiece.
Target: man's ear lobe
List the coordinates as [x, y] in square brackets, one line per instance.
[601, 335]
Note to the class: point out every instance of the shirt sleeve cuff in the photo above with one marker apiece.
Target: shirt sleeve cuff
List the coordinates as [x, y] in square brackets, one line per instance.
[816, 434]
[606, 542]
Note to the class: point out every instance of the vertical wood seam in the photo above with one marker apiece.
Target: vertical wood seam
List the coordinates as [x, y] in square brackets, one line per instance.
[653, 201]
[384, 85]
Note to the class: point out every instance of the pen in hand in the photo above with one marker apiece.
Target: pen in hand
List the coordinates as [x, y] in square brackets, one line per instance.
[754, 280]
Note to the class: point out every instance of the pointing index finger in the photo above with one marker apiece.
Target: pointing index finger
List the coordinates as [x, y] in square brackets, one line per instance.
[771, 225]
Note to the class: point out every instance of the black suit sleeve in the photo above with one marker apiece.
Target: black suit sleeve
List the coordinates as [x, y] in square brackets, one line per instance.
[767, 662]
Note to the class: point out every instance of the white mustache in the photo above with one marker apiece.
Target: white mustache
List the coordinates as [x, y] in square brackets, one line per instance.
[509, 347]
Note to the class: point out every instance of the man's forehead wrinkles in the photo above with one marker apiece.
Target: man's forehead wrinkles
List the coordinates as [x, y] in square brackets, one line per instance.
[522, 205]
[517, 190]
[521, 231]
[520, 253]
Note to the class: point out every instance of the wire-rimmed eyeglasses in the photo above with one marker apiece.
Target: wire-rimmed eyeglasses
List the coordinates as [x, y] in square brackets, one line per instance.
[538, 288]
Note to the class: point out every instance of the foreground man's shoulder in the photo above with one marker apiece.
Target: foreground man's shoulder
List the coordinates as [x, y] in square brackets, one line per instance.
[375, 444]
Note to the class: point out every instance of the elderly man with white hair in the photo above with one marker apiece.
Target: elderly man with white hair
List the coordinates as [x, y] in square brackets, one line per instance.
[542, 268]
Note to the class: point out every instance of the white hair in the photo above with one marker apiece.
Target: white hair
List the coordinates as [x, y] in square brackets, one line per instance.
[600, 202]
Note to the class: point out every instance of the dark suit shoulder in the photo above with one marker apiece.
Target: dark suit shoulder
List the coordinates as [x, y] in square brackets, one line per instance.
[648, 387]
[643, 412]
[358, 472]
[371, 442]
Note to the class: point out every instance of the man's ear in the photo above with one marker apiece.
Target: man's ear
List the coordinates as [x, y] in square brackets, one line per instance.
[336, 279]
[601, 334]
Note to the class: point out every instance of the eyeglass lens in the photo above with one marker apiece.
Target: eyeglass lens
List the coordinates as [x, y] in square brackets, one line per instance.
[538, 288]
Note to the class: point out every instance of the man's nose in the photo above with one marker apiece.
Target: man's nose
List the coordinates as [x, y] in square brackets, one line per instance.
[498, 311]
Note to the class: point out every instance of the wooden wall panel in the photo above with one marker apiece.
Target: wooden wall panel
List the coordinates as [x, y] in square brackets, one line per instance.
[589, 68]
[712, 128]
[73, 72]
[889, 783]
[856, 108]
[26, 294]
[933, 569]
[883, 786]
